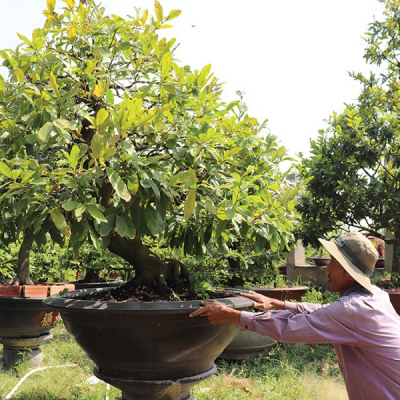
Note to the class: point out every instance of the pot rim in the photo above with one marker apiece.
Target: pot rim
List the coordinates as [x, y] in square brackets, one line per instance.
[70, 300]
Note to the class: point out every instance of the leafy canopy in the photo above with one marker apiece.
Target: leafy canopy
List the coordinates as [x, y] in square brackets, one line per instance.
[104, 134]
[353, 171]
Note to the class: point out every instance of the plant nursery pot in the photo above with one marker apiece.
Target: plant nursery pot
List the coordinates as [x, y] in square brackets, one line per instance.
[149, 350]
[246, 344]
[25, 323]
[283, 293]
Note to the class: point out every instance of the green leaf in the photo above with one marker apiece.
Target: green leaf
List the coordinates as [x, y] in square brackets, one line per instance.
[159, 11]
[204, 74]
[189, 205]
[59, 221]
[291, 204]
[51, 5]
[54, 85]
[133, 182]
[97, 243]
[118, 184]
[70, 205]
[98, 144]
[154, 221]
[43, 135]
[2, 84]
[105, 227]
[125, 227]
[166, 65]
[70, 3]
[173, 14]
[5, 170]
[73, 157]
[209, 206]
[110, 96]
[95, 213]
[101, 116]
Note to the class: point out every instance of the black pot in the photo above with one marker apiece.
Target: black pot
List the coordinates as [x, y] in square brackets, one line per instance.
[25, 323]
[150, 348]
[246, 344]
[283, 293]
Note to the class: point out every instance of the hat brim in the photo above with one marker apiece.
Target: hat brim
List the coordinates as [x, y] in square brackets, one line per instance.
[334, 251]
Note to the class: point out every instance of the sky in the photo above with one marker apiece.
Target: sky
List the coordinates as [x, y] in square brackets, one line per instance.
[290, 58]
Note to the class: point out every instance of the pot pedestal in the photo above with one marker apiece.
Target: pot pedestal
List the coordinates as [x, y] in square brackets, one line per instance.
[16, 350]
[168, 389]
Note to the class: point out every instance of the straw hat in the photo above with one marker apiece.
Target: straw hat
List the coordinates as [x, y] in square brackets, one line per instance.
[356, 254]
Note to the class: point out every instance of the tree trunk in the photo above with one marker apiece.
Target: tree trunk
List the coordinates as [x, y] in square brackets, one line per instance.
[396, 253]
[149, 268]
[23, 276]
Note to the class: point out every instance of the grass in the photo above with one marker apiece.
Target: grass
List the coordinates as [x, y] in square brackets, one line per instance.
[283, 372]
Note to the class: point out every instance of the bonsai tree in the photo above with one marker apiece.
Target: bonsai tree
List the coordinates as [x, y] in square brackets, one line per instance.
[105, 139]
[353, 176]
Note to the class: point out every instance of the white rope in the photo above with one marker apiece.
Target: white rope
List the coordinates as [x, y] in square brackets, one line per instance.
[43, 368]
[33, 371]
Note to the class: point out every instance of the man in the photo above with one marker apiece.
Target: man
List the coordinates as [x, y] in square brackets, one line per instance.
[362, 324]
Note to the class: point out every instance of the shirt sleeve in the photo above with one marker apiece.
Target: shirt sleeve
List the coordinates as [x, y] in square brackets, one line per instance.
[297, 323]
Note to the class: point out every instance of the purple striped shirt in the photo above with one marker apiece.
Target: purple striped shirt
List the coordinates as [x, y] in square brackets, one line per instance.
[363, 327]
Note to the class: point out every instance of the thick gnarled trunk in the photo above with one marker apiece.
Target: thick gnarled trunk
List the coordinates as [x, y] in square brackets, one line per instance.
[149, 268]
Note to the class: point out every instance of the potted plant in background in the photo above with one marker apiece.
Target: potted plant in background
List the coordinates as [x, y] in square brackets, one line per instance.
[258, 271]
[125, 149]
[25, 322]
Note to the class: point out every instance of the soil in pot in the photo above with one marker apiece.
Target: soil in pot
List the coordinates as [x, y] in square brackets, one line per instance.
[128, 293]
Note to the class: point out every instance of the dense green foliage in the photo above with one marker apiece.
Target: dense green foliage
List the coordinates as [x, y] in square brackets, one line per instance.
[105, 139]
[353, 172]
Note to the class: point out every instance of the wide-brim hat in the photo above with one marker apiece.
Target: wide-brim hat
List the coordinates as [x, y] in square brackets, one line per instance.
[356, 254]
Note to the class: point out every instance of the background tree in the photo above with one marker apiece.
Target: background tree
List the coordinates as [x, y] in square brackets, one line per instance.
[105, 138]
[352, 175]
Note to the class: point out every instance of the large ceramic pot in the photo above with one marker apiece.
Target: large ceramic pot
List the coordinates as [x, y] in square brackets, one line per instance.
[246, 344]
[282, 293]
[25, 322]
[149, 350]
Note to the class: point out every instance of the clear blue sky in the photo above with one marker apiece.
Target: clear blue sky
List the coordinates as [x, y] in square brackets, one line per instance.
[291, 58]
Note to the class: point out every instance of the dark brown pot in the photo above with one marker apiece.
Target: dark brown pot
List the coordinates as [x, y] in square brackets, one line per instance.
[25, 323]
[284, 293]
[150, 349]
[246, 344]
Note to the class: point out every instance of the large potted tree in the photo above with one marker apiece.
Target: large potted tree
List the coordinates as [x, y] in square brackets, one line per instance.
[106, 139]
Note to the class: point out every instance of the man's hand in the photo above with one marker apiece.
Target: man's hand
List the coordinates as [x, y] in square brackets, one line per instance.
[263, 302]
[217, 313]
